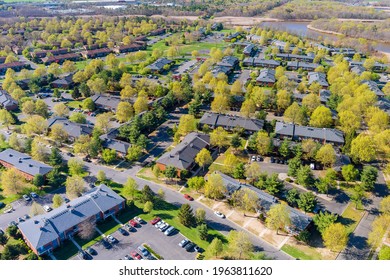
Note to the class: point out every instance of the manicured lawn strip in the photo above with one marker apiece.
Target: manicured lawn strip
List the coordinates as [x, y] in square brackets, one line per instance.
[74, 104]
[152, 252]
[351, 217]
[66, 251]
[299, 254]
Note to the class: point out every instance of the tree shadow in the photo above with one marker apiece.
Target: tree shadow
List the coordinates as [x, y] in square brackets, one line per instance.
[341, 197]
[163, 205]
[345, 221]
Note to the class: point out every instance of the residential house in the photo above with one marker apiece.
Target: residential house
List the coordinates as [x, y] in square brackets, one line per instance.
[266, 77]
[253, 38]
[159, 64]
[16, 66]
[46, 232]
[61, 58]
[358, 69]
[182, 157]
[95, 46]
[258, 62]
[95, 53]
[373, 86]
[295, 65]
[378, 67]
[7, 102]
[299, 133]
[227, 70]
[158, 31]
[130, 48]
[232, 37]
[319, 78]
[26, 166]
[65, 82]
[42, 54]
[214, 120]
[295, 57]
[121, 147]
[324, 96]
[249, 50]
[346, 52]
[74, 130]
[230, 61]
[299, 220]
[17, 50]
[109, 103]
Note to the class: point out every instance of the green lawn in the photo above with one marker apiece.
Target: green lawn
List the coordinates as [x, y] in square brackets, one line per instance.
[74, 104]
[311, 254]
[351, 217]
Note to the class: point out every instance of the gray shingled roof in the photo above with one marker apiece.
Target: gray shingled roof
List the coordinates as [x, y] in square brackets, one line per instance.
[300, 64]
[6, 99]
[159, 64]
[374, 87]
[42, 229]
[326, 134]
[295, 56]
[106, 101]
[317, 77]
[230, 61]
[117, 145]
[266, 76]
[299, 220]
[73, 129]
[24, 162]
[183, 155]
[230, 122]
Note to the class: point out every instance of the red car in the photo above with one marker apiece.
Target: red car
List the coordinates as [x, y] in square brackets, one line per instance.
[190, 198]
[155, 220]
[135, 255]
[133, 223]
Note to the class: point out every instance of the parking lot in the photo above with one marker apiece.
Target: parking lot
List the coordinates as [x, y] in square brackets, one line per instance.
[165, 246]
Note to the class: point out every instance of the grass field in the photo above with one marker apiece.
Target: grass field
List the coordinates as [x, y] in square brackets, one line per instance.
[351, 217]
[308, 254]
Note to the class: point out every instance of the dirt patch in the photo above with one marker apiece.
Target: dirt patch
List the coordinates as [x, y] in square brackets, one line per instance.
[255, 226]
[271, 237]
[314, 252]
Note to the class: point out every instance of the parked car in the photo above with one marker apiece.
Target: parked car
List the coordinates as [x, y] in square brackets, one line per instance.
[127, 257]
[259, 158]
[189, 246]
[133, 223]
[169, 231]
[135, 255]
[219, 214]
[106, 244]
[26, 197]
[91, 251]
[12, 223]
[272, 160]
[158, 224]
[188, 197]
[139, 220]
[112, 239]
[198, 249]
[164, 227]
[70, 154]
[47, 208]
[155, 220]
[128, 227]
[84, 255]
[33, 195]
[8, 209]
[143, 251]
[183, 243]
[2, 204]
[20, 220]
[123, 231]
[253, 158]
[1, 232]
[66, 199]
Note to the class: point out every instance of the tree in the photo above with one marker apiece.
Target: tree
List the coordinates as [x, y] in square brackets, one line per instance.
[349, 172]
[239, 171]
[357, 195]
[384, 253]
[200, 216]
[295, 114]
[235, 141]
[41, 108]
[88, 104]
[310, 148]
[134, 152]
[36, 209]
[57, 201]
[246, 199]
[321, 117]
[187, 124]
[58, 133]
[379, 227]
[102, 122]
[148, 207]
[109, 155]
[304, 176]
[326, 155]
[87, 229]
[292, 197]
[369, 64]
[385, 205]
[335, 237]
[203, 231]
[61, 110]
[263, 143]
[35, 125]
[248, 108]
[54, 178]
[130, 188]
[97, 86]
[283, 99]
[284, 148]
[349, 121]
[101, 176]
[252, 171]
[312, 100]
[214, 188]
[368, 177]
[273, 185]
[147, 194]
[170, 172]
[220, 104]
[6, 119]
[76, 166]
[186, 215]
[293, 166]
[363, 148]
[38, 180]
[203, 158]
[196, 183]
[239, 247]
[307, 201]
[215, 248]
[74, 186]
[78, 118]
[124, 112]
[278, 217]
[236, 88]
[140, 104]
[219, 137]
[323, 220]
[11, 182]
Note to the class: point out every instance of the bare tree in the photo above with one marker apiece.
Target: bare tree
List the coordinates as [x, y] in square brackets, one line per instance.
[87, 228]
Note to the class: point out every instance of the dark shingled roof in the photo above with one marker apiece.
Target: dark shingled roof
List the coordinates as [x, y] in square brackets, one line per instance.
[266, 76]
[24, 162]
[230, 122]
[6, 100]
[183, 155]
[317, 77]
[73, 129]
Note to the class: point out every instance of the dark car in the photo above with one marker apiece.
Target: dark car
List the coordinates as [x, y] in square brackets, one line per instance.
[189, 246]
[198, 249]
[106, 244]
[2, 205]
[129, 227]
[123, 232]
[91, 251]
[84, 255]
[272, 160]
[70, 154]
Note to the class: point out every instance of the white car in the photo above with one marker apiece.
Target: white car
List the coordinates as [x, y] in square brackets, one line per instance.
[47, 208]
[219, 214]
[112, 239]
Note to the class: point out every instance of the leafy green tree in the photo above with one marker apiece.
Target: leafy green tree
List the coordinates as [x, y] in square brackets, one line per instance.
[239, 171]
[130, 188]
[78, 118]
[215, 248]
[214, 188]
[385, 205]
[54, 178]
[363, 148]
[147, 194]
[76, 166]
[273, 185]
[38, 180]
[368, 177]
[321, 117]
[263, 143]
[326, 155]
[292, 197]
[57, 201]
[203, 158]
[357, 195]
[74, 186]
[335, 237]
[203, 231]
[323, 220]
[186, 215]
[134, 153]
[349, 172]
[101, 176]
[148, 207]
[109, 155]
[278, 217]
[170, 172]
[307, 202]
[284, 149]
[305, 176]
[55, 157]
[196, 183]
[239, 246]
[200, 216]
[294, 165]
[384, 253]
[219, 137]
